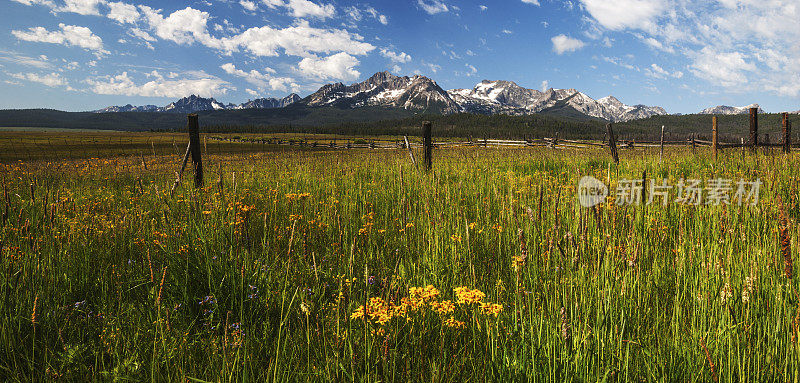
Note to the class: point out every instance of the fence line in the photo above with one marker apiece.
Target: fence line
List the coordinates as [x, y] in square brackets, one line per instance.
[358, 143]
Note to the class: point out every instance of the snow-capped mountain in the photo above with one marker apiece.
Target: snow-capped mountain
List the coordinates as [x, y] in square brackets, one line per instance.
[507, 97]
[421, 94]
[194, 103]
[269, 103]
[385, 89]
[724, 109]
[129, 108]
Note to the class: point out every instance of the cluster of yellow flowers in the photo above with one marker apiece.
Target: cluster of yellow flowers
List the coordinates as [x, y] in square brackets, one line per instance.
[297, 196]
[381, 312]
[465, 295]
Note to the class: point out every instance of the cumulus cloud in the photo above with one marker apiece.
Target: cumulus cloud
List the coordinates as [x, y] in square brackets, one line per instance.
[432, 7]
[189, 25]
[82, 7]
[51, 79]
[545, 85]
[197, 83]
[483, 7]
[303, 8]
[297, 40]
[565, 44]
[534, 2]
[621, 14]
[340, 66]
[248, 5]
[261, 80]
[71, 35]
[123, 13]
[400, 57]
[184, 26]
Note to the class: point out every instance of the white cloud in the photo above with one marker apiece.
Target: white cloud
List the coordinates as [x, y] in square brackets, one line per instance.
[339, 66]
[40, 62]
[564, 44]
[261, 80]
[545, 85]
[123, 13]
[483, 7]
[184, 26]
[51, 80]
[197, 83]
[71, 35]
[36, 2]
[432, 7]
[252, 92]
[396, 69]
[433, 67]
[303, 8]
[401, 57]
[82, 7]
[621, 14]
[136, 32]
[298, 40]
[471, 70]
[357, 14]
[534, 2]
[756, 41]
[658, 72]
[508, 32]
[248, 5]
[723, 68]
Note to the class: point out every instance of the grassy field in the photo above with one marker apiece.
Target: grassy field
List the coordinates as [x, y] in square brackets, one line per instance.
[356, 266]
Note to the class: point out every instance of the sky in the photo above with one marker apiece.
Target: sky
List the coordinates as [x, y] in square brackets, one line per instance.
[682, 55]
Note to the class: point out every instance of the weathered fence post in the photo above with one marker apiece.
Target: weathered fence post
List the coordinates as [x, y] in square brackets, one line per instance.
[194, 145]
[661, 153]
[192, 149]
[714, 136]
[612, 143]
[753, 128]
[428, 144]
[787, 129]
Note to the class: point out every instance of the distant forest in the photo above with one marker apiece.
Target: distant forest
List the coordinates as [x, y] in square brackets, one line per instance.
[392, 121]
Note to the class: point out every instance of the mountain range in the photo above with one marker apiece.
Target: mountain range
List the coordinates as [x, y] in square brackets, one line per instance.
[421, 94]
[724, 109]
[194, 104]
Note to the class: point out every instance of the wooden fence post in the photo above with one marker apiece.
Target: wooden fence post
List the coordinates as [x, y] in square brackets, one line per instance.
[753, 128]
[787, 140]
[661, 153]
[612, 143]
[714, 136]
[428, 144]
[194, 145]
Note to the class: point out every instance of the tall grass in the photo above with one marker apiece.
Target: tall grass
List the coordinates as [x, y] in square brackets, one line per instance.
[261, 275]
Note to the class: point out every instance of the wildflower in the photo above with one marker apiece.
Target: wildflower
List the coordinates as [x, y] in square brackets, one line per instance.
[726, 293]
[452, 322]
[491, 308]
[443, 307]
[749, 285]
[465, 295]
[455, 238]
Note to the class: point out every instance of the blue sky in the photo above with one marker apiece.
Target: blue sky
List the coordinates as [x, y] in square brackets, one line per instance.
[679, 54]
